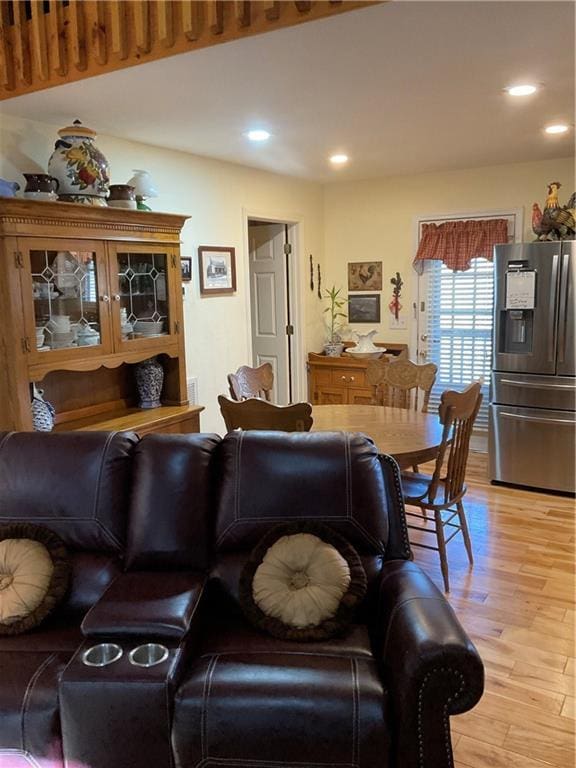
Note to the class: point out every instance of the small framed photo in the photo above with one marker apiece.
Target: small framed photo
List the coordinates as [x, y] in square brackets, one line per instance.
[217, 268]
[186, 262]
[364, 309]
[365, 276]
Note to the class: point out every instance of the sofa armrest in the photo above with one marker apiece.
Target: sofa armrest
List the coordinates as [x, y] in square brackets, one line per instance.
[429, 664]
[147, 604]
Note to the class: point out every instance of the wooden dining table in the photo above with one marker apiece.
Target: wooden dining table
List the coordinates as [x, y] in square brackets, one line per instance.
[409, 436]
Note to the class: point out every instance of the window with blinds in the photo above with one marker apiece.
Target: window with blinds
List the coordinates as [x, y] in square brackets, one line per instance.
[459, 328]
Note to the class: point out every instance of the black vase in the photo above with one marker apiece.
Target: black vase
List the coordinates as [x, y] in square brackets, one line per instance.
[149, 381]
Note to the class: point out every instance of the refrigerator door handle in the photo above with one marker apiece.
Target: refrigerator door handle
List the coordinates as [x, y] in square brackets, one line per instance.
[564, 277]
[532, 384]
[552, 310]
[540, 420]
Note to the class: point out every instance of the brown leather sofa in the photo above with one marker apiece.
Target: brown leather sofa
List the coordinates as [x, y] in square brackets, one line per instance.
[160, 530]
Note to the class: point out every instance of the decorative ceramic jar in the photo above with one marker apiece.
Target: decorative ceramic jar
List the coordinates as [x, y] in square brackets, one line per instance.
[333, 348]
[80, 167]
[122, 196]
[149, 381]
[42, 412]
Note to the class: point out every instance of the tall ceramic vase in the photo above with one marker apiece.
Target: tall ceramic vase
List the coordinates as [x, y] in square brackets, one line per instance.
[149, 381]
[42, 412]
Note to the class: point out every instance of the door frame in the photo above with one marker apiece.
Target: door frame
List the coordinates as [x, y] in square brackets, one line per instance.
[295, 227]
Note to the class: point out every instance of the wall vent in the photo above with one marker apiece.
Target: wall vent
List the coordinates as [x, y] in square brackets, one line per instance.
[192, 389]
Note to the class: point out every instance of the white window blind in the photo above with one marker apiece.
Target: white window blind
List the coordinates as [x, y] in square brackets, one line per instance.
[459, 328]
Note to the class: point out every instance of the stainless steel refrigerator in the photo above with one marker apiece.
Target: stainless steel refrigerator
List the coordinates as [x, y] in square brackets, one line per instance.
[532, 433]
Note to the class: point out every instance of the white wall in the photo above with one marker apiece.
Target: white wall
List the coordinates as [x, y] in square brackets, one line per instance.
[374, 220]
[217, 196]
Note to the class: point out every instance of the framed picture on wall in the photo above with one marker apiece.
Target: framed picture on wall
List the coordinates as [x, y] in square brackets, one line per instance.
[364, 308]
[186, 264]
[365, 276]
[217, 269]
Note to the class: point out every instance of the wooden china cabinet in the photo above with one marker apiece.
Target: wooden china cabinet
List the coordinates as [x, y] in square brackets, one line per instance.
[342, 380]
[85, 293]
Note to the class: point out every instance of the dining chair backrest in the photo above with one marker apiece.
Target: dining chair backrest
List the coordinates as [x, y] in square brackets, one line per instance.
[251, 382]
[400, 382]
[259, 414]
[376, 378]
[457, 412]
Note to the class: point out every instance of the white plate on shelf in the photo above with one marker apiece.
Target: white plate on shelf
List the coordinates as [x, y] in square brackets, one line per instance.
[43, 349]
[138, 335]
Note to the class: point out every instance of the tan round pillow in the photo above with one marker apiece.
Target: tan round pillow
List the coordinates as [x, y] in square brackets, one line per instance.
[33, 575]
[302, 582]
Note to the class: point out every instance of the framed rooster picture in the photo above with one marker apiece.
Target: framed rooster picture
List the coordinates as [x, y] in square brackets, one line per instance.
[365, 276]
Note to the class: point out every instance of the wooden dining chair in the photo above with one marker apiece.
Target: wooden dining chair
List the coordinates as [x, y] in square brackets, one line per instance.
[399, 383]
[259, 414]
[251, 382]
[442, 492]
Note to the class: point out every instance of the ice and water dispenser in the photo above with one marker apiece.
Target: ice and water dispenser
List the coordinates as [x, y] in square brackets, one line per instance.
[516, 321]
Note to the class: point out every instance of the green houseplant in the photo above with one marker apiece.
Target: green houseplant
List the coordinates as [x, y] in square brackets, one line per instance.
[333, 346]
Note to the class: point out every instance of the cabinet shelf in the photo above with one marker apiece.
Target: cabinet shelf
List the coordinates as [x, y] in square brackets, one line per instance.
[168, 418]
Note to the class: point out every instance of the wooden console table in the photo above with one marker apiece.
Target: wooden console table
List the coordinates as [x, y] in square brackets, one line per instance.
[342, 380]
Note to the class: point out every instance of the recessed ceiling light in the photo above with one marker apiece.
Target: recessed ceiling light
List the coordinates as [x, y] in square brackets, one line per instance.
[556, 128]
[258, 135]
[339, 159]
[521, 90]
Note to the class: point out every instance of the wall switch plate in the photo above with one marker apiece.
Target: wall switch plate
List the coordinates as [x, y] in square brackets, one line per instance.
[397, 325]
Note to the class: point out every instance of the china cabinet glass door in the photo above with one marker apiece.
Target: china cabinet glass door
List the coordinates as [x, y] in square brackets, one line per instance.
[66, 307]
[142, 284]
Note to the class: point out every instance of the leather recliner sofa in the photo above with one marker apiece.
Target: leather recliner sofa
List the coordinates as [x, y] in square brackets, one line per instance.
[160, 530]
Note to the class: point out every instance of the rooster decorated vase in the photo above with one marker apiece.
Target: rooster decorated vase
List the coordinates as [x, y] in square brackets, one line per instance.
[79, 166]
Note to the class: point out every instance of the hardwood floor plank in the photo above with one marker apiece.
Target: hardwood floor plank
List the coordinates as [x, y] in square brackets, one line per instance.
[478, 754]
[553, 746]
[543, 678]
[569, 708]
[524, 693]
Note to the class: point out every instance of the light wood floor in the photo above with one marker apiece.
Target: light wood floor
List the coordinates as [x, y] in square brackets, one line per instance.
[517, 604]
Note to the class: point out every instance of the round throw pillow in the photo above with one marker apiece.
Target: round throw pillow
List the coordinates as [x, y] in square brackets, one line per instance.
[34, 574]
[303, 582]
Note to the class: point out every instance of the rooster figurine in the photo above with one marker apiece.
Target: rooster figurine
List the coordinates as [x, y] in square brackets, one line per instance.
[555, 222]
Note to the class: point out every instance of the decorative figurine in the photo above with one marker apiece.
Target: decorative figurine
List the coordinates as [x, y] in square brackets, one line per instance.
[395, 305]
[556, 222]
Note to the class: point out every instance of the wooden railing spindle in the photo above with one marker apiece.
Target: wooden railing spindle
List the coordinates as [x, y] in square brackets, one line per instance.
[21, 45]
[118, 22]
[56, 47]
[75, 35]
[190, 19]
[40, 46]
[7, 78]
[141, 13]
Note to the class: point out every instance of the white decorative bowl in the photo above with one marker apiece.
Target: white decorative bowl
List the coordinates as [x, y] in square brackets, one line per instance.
[365, 355]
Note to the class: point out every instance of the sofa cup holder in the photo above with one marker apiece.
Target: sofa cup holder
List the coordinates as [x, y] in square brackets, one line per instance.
[148, 655]
[102, 655]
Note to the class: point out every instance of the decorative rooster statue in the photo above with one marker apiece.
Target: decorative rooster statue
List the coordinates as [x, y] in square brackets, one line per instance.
[556, 222]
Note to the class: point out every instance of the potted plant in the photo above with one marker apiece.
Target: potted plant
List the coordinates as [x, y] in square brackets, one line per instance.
[334, 346]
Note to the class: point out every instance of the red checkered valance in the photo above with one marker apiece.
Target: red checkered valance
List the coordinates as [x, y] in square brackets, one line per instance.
[456, 243]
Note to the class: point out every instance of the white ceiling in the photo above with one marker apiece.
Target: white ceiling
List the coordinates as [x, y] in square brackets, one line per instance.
[404, 87]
